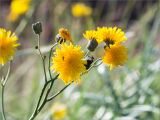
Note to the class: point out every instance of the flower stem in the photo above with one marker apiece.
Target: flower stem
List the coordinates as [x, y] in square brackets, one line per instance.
[94, 64]
[3, 111]
[42, 57]
[45, 101]
[4, 81]
[36, 111]
[87, 53]
[52, 97]
[50, 54]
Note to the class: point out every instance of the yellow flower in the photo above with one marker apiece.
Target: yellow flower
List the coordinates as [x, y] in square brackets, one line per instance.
[17, 8]
[8, 45]
[111, 35]
[91, 35]
[115, 55]
[81, 10]
[68, 62]
[59, 111]
[64, 33]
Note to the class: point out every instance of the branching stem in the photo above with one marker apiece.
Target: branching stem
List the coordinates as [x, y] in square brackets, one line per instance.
[3, 83]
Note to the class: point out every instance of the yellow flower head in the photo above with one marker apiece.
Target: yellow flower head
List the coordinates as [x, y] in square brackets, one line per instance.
[59, 111]
[111, 35]
[64, 33]
[17, 8]
[81, 10]
[68, 62]
[91, 35]
[8, 45]
[115, 55]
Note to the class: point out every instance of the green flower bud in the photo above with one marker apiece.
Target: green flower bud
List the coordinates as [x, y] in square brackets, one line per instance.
[92, 45]
[37, 27]
[89, 62]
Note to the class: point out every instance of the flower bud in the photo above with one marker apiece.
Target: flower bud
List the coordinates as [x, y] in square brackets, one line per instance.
[89, 61]
[92, 44]
[37, 27]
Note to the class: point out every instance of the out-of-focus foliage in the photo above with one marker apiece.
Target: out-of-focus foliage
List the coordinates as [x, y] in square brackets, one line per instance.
[131, 92]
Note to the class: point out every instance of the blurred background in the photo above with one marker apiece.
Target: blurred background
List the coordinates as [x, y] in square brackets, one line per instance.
[131, 92]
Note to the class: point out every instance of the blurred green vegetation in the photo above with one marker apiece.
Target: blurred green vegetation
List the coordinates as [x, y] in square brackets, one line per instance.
[131, 92]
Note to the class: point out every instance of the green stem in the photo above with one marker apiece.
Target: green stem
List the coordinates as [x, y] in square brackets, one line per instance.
[3, 111]
[4, 81]
[41, 95]
[87, 53]
[43, 58]
[52, 97]
[36, 111]
[49, 89]
[50, 54]
[94, 64]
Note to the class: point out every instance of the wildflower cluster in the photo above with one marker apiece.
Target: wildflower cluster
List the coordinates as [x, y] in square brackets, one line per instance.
[70, 62]
[115, 53]
[66, 59]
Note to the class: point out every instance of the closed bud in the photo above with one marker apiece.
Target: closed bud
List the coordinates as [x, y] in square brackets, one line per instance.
[89, 61]
[37, 27]
[92, 45]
